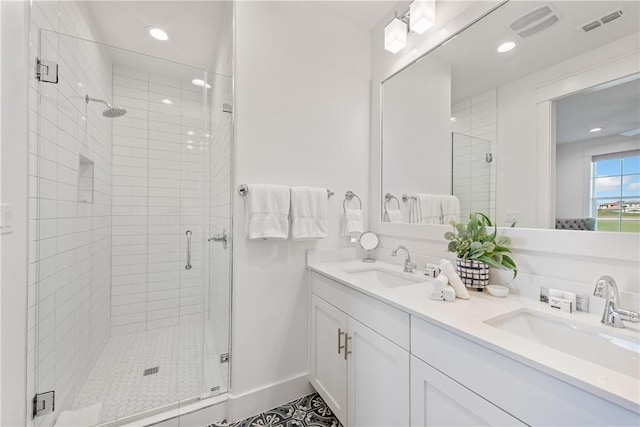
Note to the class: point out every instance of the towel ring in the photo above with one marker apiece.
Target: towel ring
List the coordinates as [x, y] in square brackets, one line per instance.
[388, 197]
[349, 195]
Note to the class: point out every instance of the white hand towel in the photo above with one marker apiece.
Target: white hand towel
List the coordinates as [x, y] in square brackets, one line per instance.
[84, 417]
[309, 206]
[414, 211]
[454, 280]
[267, 211]
[394, 215]
[352, 222]
[437, 295]
[449, 294]
[450, 209]
[441, 282]
[430, 208]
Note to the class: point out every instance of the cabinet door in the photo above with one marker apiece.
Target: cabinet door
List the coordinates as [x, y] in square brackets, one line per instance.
[328, 370]
[437, 400]
[378, 385]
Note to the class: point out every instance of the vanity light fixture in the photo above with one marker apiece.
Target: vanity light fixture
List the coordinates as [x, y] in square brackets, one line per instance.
[395, 35]
[506, 47]
[200, 83]
[422, 15]
[158, 33]
[167, 102]
[595, 130]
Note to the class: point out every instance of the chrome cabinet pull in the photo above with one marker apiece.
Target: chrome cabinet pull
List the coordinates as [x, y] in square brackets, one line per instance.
[340, 334]
[346, 346]
[188, 266]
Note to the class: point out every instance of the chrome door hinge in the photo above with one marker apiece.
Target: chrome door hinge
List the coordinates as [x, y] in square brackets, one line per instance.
[44, 403]
[224, 358]
[47, 71]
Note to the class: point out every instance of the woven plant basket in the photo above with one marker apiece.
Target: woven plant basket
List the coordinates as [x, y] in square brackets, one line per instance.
[474, 274]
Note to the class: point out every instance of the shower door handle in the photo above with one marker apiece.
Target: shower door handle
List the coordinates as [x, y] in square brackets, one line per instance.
[222, 237]
[188, 266]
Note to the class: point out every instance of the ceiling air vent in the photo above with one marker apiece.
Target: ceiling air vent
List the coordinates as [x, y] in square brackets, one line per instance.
[534, 21]
[619, 13]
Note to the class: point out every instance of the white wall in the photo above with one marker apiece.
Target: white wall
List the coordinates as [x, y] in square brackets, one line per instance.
[573, 172]
[417, 132]
[301, 118]
[14, 190]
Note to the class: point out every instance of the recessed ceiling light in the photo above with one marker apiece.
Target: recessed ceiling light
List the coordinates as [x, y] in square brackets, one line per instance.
[158, 33]
[167, 102]
[506, 47]
[201, 83]
[595, 130]
[453, 119]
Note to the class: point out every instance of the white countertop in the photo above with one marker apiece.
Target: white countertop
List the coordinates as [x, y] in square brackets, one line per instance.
[465, 318]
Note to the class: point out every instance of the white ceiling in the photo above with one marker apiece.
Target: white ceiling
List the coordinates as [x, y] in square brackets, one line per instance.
[364, 13]
[193, 26]
[615, 107]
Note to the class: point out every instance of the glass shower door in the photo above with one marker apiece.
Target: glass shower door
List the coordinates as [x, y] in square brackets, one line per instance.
[123, 317]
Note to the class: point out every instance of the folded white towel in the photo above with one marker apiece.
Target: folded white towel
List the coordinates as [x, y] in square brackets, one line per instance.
[454, 280]
[352, 222]
[449, 294]
[393, 215]
[84, 417]
[414, 211]
[309, 208]
[430, 209]
[267, 211]
[437, 295]
[450, 209]
[440, 282]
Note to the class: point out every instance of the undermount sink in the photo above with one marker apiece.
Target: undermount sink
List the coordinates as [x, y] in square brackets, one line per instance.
[615, 350]
[380, 277]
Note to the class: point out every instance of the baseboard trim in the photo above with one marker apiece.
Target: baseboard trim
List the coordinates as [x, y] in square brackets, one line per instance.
[241, 406]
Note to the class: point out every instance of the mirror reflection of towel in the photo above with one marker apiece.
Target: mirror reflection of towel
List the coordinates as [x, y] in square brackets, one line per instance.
[450, 209]
[429, 207]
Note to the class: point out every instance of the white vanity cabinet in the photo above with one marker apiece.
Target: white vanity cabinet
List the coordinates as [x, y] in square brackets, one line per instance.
[437, 400]
[357, 364]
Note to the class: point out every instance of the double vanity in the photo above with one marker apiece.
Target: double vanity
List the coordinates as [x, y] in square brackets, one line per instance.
[382, 353]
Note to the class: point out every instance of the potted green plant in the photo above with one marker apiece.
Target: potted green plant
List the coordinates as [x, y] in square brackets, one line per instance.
[479, 248]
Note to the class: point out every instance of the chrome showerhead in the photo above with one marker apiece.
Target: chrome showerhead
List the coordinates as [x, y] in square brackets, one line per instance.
[111, 111]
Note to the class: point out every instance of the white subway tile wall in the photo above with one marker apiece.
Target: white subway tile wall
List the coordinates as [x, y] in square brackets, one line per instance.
[70, 242]
[160, 182]
[474, 178]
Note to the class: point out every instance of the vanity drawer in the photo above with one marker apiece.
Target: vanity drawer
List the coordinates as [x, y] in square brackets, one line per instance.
[386, 320]
[526, 393]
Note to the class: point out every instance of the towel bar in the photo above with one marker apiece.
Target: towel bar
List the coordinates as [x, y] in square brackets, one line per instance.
[243, 190]
[349, 195]
[406, 198]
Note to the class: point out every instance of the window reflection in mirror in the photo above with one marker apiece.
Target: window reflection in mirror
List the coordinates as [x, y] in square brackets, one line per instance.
[466, 89]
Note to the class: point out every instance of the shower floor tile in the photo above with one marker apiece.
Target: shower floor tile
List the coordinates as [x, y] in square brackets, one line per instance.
[118, 379]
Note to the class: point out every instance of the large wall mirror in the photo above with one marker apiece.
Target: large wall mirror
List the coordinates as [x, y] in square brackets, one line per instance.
[468, 120]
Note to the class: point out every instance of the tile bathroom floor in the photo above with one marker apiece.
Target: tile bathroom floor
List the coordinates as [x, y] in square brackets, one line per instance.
[307, 411]
[117, 379]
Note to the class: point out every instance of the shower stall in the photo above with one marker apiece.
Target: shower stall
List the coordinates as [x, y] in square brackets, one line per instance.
[130, 178]
[474, 174]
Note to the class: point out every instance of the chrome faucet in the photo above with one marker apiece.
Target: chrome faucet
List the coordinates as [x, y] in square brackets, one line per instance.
[408, 265]
[613, 315]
